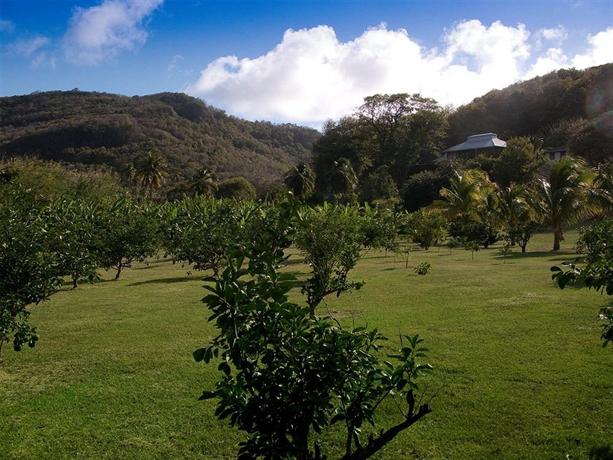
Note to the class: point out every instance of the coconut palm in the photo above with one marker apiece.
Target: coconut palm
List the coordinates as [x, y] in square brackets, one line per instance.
[465, 194]
[602, 191]
[517, 213]
[300, 180]
[564, 196]
[343, 177]
[150, 171]
[203, 183]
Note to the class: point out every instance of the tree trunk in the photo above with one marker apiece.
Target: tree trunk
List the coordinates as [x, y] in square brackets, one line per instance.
[523, 247]
[119, 267]
[557, 237]
[75, 279]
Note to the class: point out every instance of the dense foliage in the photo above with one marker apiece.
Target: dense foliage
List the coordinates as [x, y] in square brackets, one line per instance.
[289, 374]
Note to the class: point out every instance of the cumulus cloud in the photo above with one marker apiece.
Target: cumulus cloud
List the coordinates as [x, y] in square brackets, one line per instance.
[600, 50]
[556, 34]
[311, 76]
[553, 59]
[100, 32]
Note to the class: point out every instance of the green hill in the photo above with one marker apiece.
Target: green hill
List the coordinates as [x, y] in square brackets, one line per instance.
[109, 129]
[572, 108]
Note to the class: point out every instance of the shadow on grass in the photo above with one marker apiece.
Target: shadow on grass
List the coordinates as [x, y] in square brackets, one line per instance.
[549, 255]
[178, 279]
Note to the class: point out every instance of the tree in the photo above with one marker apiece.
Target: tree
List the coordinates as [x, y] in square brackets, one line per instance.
[203, 183]
[470, 205]
[563, 196]
[331, 238]
[150, 171]
[200, 231]
[289, 375]
[129, 231]
[300, 180]
[597, 274]
[425, 228]
[518, 163]
[518, 214]
[75, 229]
[378, 185]
[237, 188]
[29, 272]
[423, 188]
[396, 131]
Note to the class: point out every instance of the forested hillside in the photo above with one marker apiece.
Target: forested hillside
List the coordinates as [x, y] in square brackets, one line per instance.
[572, 108]
[100, 128]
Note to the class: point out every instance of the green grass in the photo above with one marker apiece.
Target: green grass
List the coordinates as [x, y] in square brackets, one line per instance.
[519, 370]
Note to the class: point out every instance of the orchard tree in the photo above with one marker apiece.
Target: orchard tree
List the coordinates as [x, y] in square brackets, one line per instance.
[129, 231]
[331, 238]
[289, 375]
[199, 231]
[75, 230]
[29, 270]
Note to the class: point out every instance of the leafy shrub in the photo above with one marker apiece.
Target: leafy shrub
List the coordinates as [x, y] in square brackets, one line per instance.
[422, 268]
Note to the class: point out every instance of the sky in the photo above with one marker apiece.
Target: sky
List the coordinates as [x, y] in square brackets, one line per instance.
[296, 61]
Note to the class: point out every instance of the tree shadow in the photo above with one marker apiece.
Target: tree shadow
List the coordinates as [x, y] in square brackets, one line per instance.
[178, 279]
[549, 255]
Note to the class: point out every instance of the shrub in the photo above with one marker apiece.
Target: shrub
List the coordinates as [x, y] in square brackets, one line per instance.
[237, 188]
[423, 268]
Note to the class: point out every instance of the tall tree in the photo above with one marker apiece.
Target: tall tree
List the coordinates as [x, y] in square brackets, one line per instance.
[300, 180]
[518, 162]
[150, 171]
[203, 183]
[564, 196]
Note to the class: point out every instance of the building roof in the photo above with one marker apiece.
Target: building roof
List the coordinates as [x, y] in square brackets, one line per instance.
[478, 142]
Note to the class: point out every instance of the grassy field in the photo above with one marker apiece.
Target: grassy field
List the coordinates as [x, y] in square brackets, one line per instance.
[519, 370]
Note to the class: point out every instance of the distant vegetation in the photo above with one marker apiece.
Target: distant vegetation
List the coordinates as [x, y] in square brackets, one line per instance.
[107, 129]
[567, 108]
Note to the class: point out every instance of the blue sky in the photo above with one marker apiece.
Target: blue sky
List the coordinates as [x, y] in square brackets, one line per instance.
[238, 54]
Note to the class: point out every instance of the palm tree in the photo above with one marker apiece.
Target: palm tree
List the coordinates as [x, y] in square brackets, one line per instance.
[464, 195]
[564, 196]
[518, 214]
[300, 180]
[343, 178]
[203, 183]
[602, 191]
[150, 171]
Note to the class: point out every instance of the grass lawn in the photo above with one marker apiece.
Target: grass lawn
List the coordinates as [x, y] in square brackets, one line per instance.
[519, 369]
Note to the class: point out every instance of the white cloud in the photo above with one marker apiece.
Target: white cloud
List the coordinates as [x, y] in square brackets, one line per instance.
[553, 59]
[600, 50]
[35, 49]
[311, 76]
[102, 31]
[6, 25]
[556, 34]
[175, 61]
[28, 46]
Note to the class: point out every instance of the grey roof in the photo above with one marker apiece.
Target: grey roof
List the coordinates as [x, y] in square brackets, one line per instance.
[478, 142]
